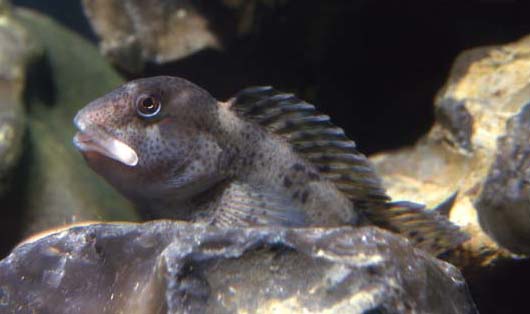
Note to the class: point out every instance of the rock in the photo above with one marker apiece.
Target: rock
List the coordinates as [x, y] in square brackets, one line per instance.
[504, 202]
[172, 267]
[134, 32]
[17, 49]
[477, 150]
[53, 186]
[159, 31]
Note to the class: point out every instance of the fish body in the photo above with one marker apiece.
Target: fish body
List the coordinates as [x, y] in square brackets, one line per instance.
[260, 158]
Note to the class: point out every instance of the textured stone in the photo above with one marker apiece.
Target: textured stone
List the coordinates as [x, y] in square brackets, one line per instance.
[159, 31]
[504, 202]
[467, 151]
[171, 267]
[135, 32]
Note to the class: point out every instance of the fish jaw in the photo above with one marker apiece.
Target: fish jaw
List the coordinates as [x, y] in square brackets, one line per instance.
[95, 139]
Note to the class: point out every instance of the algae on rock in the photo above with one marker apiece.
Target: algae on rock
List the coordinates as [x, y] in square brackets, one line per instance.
[17, 49]
[53, 185]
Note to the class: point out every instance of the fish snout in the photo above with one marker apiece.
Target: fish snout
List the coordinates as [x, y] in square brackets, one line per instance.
[80, 137]
[79, 122]
[93, 138]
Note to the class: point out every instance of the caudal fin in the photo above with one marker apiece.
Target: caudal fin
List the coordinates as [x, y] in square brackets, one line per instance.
[426, 229]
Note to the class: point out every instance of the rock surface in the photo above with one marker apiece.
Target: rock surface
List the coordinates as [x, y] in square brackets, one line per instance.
[134, 32]
[159, 31]
[477, 149]
[171, 267]
[504, 202]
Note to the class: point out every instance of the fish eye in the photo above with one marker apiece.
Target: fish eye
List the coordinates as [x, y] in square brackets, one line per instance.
[148, 106]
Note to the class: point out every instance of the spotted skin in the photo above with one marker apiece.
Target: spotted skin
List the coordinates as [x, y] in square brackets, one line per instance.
[185, 155]
[194, 149]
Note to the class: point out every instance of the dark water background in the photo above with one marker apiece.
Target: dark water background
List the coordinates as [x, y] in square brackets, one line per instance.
[374, 66]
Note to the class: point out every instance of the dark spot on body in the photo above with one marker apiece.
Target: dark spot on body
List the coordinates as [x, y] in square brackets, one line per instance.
[324, 168]
[372, 270]
[287, 182]
[435, 247]
[305, 194]
[313, 176]
[296, 194]
[345, 177]
[413, 234]
[298, 167]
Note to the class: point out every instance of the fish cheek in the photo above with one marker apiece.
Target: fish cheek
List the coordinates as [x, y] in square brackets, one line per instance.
[163, 149]
[178, 141]
[197, 172]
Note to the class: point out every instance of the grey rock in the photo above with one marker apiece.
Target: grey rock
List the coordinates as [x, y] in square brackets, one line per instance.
[504, 202]
[172, 267]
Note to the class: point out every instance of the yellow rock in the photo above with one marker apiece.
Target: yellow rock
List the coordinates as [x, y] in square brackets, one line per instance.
[486, 87]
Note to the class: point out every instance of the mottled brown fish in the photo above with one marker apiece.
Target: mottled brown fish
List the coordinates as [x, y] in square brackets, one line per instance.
[261, 158]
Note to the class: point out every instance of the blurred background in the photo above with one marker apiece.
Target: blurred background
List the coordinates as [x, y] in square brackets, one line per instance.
[380, 61]
[374, 66]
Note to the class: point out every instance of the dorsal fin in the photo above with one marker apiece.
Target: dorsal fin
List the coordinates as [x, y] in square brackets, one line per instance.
[315, 138]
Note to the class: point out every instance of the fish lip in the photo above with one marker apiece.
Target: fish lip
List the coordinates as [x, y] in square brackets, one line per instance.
[96, 139]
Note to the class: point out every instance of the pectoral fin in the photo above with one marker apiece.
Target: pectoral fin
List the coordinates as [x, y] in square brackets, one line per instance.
[244, 205]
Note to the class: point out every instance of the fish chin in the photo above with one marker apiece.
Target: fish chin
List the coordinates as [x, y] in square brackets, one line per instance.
[107, 146]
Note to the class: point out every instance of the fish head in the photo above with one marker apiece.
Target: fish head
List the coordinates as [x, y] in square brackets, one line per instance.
[144, 136]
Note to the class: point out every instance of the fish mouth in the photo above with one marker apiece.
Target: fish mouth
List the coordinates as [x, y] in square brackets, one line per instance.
[95, 139]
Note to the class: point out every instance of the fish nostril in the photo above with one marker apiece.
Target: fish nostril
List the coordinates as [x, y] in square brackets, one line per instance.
[78, 121]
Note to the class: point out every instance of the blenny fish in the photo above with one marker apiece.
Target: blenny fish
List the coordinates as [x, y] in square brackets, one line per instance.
[261, 158]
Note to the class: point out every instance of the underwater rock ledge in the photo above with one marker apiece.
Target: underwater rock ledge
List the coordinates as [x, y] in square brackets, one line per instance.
[475, 155]
[175, 267]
